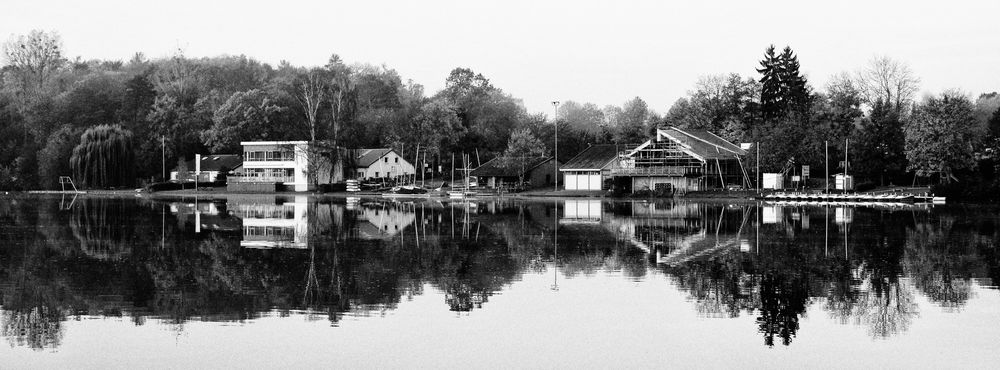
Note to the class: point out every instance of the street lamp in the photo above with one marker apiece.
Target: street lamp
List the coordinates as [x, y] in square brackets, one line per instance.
[555, 122]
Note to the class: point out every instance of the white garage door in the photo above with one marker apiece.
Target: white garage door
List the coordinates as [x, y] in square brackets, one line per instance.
[571, 181]
[594, 182]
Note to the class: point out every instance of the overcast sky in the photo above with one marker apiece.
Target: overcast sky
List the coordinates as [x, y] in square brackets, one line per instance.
[540, 51]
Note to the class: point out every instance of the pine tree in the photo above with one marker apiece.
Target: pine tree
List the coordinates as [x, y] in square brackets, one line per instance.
[771, 91]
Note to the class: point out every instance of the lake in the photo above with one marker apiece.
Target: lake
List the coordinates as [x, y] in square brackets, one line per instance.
[285, 281]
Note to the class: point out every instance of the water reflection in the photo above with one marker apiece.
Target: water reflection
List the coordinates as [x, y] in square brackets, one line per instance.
[237, 258]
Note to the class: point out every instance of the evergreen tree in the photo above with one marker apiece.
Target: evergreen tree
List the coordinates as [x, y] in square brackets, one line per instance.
[770, 92]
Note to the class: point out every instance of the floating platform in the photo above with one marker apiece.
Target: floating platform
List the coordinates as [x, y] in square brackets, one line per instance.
[853, 198]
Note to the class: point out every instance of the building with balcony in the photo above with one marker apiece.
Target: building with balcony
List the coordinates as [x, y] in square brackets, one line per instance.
[675, 161]
[273, 165]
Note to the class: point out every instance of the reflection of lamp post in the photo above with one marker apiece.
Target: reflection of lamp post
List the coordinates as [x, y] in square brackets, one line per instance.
[555, 123]
[555, 238]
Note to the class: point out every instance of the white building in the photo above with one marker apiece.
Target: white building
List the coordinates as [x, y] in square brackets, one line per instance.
[379, 163]
[275, 162]
[212, 166]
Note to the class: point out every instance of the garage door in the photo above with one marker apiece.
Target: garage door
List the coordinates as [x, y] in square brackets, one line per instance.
[594, 182]
[571, 181]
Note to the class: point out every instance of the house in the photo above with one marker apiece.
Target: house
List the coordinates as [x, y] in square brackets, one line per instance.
[590, 169]
[379, 163]
[273, 165]
[680, 160]
[498, 172]
[212, 166]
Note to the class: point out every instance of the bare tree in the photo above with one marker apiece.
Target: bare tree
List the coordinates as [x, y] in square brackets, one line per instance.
[37, 54]
[310, 92]
[340, 84]
[890, 81]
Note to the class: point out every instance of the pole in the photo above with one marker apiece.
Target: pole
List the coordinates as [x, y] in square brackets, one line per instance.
[757, 176]
[826, 145]
[163, 156]
[555, 122]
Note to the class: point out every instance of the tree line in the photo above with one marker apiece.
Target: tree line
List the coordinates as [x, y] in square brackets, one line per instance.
[168, 109]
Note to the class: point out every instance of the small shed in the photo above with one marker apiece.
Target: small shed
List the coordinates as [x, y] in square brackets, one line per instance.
[589, 169]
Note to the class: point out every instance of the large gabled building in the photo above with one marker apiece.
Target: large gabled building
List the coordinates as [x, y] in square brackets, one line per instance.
[675, 161]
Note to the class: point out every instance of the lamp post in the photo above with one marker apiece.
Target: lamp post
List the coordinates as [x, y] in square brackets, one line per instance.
[555, 123]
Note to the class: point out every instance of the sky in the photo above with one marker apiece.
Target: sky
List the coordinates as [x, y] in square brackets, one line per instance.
[543, 51]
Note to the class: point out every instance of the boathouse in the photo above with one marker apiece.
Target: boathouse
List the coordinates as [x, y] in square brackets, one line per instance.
[504, 172]
[678, 161]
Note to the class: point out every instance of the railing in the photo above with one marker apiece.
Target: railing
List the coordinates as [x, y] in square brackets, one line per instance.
[244, 179]
[660, 171]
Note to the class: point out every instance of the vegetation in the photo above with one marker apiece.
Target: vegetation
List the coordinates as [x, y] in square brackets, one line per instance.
[179, 106]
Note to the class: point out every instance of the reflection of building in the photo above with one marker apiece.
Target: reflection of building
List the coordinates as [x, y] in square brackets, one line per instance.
[382, 221]
[582, 210]
[275, 225]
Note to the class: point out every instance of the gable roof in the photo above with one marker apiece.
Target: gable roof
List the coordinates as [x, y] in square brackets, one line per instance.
[702, 143]
[594, 157]
[216, 162]
[496, 167]
[366, 157]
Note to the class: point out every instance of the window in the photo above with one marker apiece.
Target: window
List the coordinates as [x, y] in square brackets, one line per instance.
[376, 173]
[386, 160]
[397, 159]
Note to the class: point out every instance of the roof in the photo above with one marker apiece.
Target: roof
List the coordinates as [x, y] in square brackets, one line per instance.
[497, 168]
[594, 157]
[366, 157]
[703, 143]
[215, 162]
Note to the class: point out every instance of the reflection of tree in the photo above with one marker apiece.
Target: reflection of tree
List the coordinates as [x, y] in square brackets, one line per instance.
[104, 227]
[37, 328]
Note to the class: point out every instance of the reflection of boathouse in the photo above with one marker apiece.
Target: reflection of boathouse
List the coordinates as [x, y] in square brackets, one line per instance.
[283, 225]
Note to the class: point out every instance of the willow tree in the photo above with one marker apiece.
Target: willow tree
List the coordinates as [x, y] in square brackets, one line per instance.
[104, 157]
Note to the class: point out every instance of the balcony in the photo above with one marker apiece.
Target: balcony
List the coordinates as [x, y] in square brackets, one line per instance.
[251, 179]
[657, 171]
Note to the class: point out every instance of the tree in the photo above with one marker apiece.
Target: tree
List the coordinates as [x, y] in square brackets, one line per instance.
[940, 136]
[783, 89]
[632, 122]
[586, 118]
[36, 55]
[104, 157]
[880, 145]
[310, 92]
[54, 158]
[889, 81]
[245, 116]
[340, 86]
[522, 147]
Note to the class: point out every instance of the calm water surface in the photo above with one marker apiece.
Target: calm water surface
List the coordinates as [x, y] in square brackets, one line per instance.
[368, 283]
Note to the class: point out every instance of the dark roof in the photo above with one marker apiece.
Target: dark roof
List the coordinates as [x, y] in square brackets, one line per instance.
[365, 157]
[497, 168]
[704, 143]
[595, 157]
[215, 162]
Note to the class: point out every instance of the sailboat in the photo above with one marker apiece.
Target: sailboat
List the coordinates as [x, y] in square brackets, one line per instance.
[464, 191]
